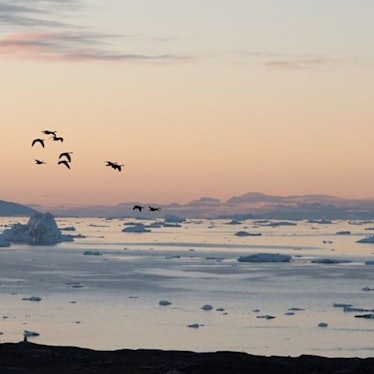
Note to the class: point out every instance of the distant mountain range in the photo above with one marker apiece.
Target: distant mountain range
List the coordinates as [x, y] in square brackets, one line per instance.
[14, 209]
[250, 205]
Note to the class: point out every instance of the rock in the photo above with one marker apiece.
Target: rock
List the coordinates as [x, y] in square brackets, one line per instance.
[322, 324]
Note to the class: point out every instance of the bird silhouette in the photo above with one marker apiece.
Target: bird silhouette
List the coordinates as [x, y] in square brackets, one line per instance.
[57, 138]
[67, 155]
[49, 132]
[153, 209]
[38, 140]
[138, 207]
[39, 162]
[114, 165]
[64, 162]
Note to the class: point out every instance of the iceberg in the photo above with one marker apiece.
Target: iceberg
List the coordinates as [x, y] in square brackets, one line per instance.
[3, 242]
[265, 257]
[40, 229]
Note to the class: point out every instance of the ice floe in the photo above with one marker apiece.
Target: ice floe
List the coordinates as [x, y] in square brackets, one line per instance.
[367, 239]
[41, 229]
[265, 257]
[246, 233]
[138, 228]
[32, 298]
[164, 302]
[92, 253]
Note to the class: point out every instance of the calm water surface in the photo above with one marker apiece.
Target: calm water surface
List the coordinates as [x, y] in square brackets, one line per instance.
[111, 300]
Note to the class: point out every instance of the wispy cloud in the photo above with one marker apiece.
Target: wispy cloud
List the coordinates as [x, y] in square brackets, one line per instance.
[298, 63]
[284, 61]
[76, 46]
[39, 33]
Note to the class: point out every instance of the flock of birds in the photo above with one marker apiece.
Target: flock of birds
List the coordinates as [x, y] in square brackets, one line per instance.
[64, 158]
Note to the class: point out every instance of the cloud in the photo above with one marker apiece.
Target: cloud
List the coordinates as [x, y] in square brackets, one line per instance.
[35, 13]
[73, 46]
[284, 61]
[39, 33]
[297, 63]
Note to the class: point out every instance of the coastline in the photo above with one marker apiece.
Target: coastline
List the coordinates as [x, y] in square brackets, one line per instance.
[27, 357]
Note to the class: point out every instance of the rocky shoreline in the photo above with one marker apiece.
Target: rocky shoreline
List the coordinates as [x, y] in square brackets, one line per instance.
[30, 358]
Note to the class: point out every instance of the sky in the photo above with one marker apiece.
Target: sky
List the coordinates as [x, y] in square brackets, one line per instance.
[196, 98]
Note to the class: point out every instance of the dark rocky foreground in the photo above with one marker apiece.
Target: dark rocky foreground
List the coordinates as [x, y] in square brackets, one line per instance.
[30, 358]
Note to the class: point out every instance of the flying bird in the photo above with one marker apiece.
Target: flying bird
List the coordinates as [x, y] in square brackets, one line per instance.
[64, 162]
[49, 132]
[153, 209]
[57, 138]
[38, 140]
[114, 165]
[67, 155]
[39, 162]
[138, 207]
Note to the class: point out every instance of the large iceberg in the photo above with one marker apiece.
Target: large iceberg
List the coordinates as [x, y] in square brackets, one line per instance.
[41, 228]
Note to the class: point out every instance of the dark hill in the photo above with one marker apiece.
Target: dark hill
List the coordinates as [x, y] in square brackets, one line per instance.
[13, 209]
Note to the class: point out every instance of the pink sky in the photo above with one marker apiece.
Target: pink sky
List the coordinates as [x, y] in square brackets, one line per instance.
[254, 97]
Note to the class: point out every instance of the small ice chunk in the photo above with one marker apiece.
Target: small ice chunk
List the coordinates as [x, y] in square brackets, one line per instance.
[164, 302]
[207, 307]
[367, 289]
[367, 239]
[194, 325]
[138, 228]
[32, 298]
[92, 253]
[265, 257]
[341, 305]
[266, 316]
[29, 334]
[369, 315]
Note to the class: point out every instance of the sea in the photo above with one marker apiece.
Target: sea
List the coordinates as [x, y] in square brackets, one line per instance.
[194, 286]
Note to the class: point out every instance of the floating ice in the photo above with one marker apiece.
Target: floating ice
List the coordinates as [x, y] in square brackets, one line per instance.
[369, 315]
[367, 289]
[32, 298]
[367, 239]
[164, 302]
[92, 253]
[174, 219]
[266, 316]
[194, 325]
[28, 333]
[40, 229]
[329, 261]
[265, 257]
[246, 233]
[3, 242]
[341, 305]
[138, 228]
